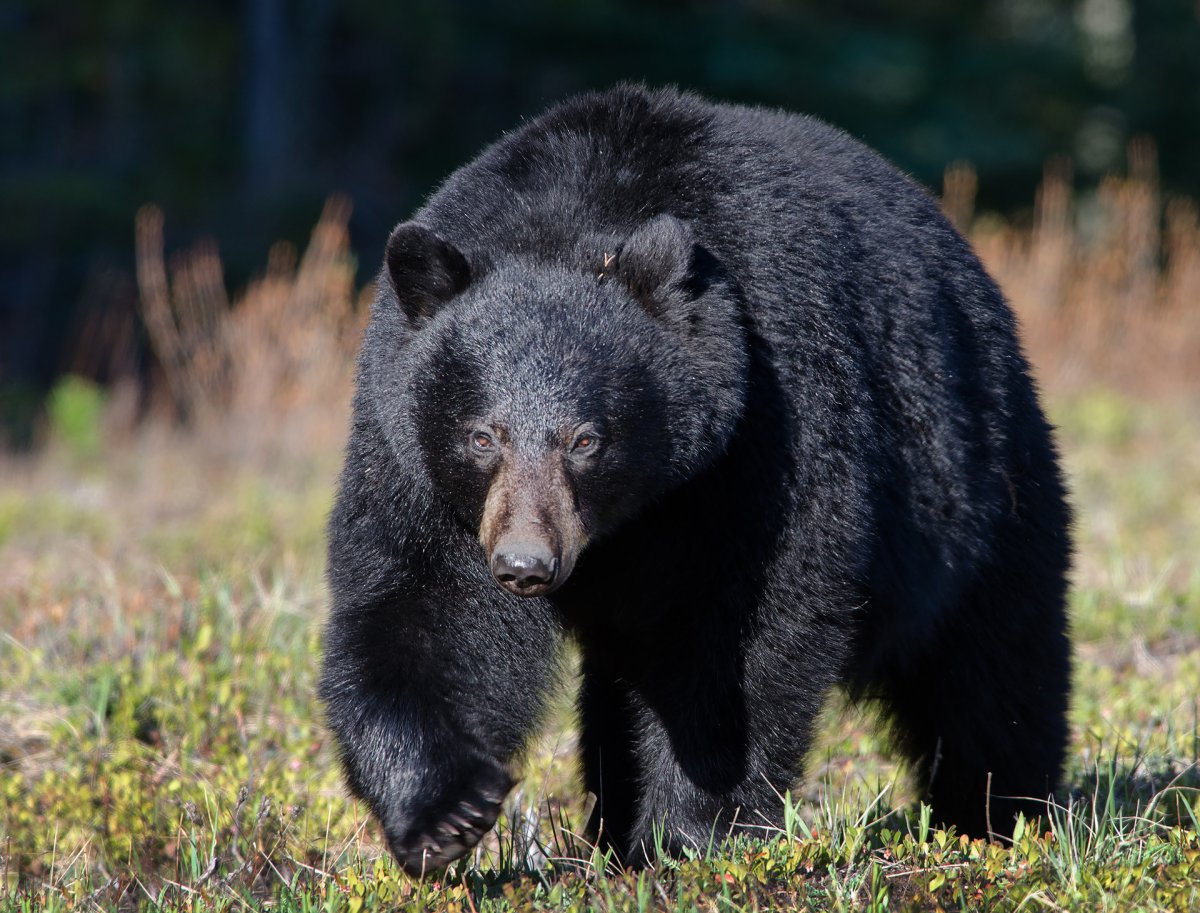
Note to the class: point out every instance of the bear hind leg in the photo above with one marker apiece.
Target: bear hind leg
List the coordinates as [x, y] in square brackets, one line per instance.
[981, 709]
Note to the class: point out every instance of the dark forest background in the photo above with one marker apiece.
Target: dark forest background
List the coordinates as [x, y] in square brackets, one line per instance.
[240, 119]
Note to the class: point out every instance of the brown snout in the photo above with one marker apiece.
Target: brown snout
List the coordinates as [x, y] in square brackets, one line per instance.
[531, 530]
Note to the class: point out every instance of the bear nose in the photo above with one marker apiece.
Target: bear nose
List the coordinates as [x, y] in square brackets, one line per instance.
[526, 571]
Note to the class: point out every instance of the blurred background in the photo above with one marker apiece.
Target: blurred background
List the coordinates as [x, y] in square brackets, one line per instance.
[238, 121]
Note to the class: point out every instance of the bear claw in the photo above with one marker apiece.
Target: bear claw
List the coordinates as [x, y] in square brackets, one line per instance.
[440, 834]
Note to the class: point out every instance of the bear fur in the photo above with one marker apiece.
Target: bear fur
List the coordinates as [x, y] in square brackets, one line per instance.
[720, 395]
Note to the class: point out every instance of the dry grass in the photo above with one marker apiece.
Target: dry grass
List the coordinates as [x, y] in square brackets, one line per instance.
[1107, 286]
[272, 372]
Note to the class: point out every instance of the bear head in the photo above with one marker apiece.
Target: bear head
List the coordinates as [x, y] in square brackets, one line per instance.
[552, 397]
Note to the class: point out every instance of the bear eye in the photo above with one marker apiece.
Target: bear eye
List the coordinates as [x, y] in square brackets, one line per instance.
[482, 442]
[585, 443]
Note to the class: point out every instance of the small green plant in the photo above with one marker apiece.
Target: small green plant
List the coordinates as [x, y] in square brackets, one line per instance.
[76, 412]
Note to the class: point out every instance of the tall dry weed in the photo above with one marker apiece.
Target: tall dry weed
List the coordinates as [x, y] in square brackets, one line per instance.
[1107, 287]
[272, 370]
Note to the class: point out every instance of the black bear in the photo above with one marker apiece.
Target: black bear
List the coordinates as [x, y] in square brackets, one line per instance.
[718, 393]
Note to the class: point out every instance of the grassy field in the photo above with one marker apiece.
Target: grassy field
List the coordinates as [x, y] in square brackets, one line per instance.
[161, 597]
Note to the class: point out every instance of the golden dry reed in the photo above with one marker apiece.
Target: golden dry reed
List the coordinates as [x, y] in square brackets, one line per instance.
[1106, 287]
[274, 368]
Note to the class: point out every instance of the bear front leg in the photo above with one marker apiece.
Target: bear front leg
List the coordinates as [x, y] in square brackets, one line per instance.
[607, 752]
[721, 728]
[429, 698]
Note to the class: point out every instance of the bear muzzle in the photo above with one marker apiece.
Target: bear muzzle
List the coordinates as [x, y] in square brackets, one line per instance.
[531, 531]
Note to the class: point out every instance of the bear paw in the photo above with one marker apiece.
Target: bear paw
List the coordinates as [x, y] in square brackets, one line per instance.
[444, 829]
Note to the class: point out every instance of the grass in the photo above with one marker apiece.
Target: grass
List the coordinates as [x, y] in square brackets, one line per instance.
[160, 745]
[161, 597]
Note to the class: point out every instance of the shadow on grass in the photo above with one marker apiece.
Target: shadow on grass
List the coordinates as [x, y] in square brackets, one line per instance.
[1162, 792]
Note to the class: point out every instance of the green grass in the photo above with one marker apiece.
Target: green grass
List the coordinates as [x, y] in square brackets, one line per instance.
[160, 745]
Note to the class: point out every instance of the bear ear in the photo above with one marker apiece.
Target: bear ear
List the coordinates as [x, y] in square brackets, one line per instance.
[425, 270]
[655, 261]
